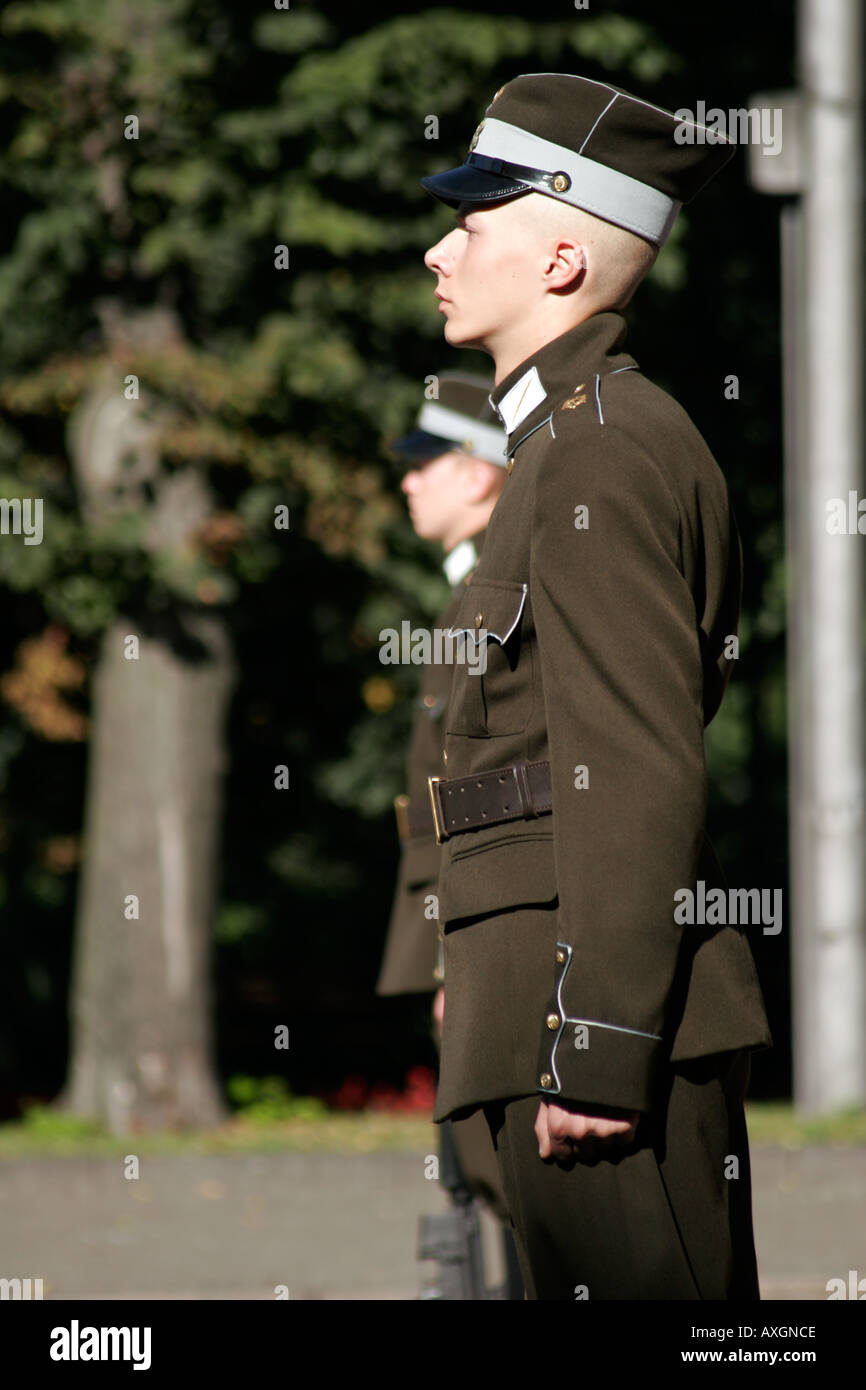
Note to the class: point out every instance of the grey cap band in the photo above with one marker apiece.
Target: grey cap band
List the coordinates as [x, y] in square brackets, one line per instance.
[594, 187]
[472, 436]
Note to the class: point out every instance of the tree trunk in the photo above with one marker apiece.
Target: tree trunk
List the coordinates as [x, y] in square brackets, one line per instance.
[141, 1046]
[142, 1043]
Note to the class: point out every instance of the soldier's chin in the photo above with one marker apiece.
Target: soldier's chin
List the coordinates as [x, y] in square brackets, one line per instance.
[459, 336]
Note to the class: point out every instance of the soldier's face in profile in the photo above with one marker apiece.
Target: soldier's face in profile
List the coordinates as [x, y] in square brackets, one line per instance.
[435, 493]
[487, 274]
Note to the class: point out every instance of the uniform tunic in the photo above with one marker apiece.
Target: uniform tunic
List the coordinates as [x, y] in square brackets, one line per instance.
[609, 582]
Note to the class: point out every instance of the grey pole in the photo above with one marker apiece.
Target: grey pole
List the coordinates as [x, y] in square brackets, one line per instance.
[801, 911]
[830, 950]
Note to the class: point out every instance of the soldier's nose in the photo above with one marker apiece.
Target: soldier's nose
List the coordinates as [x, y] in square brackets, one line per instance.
[435, 257]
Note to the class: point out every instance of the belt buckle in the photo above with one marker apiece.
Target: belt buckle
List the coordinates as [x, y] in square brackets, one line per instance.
[440, 831]
[524, 792]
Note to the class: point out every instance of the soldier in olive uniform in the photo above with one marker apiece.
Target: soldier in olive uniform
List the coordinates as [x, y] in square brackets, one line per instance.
[455, 473]
[607, 1043]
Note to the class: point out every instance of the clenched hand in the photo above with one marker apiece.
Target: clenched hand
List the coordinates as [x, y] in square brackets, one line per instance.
[568, 1134]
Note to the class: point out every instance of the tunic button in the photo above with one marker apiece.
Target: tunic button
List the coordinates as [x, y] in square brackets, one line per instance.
[444, 756]
[479, 619]
[561, 957]
[546, 1080]
[429, 701]
[553, 1022]
[509, 467]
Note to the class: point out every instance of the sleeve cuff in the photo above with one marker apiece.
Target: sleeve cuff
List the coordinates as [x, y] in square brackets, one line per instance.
[600, 1061]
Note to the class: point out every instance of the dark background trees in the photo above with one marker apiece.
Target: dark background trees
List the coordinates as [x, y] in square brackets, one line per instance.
[305, 128]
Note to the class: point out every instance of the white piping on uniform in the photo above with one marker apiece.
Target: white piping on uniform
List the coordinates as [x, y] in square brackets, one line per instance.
[590, 1022]
[617, 1028]
[593, 81]
[599, 118]
[453, 631]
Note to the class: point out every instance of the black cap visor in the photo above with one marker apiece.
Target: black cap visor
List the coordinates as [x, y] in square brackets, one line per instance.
[420, 446]
[469, 184]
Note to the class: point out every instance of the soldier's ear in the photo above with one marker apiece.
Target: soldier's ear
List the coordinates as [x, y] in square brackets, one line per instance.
[486, 479]
[565, 265]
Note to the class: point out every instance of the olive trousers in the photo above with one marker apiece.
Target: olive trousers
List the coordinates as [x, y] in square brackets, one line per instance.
[668, 1218]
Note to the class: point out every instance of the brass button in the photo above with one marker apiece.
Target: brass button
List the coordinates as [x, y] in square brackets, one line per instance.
[561, 183]
[561, 957]
[553, 1022]
[444, 756]
[546, 1080]
[429, 701]
[509, 467]
[479, 619]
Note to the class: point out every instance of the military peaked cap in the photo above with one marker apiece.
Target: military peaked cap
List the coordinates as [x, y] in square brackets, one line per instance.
[590, 144]
[462, 419]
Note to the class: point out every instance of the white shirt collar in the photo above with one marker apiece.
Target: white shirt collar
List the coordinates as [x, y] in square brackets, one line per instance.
[459, 561]
[521, 400]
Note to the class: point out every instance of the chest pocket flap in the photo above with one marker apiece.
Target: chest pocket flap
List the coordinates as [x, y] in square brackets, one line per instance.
[492, 692]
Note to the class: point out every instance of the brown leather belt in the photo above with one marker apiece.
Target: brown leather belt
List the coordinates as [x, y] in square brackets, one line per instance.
[517, 792]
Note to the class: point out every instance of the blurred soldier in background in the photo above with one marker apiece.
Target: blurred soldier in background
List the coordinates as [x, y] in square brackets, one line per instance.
[455, 472]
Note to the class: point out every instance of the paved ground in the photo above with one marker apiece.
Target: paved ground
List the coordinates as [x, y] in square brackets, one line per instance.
[334, 1226]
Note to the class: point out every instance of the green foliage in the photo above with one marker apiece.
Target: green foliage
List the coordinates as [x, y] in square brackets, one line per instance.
[266, 1099]
[236, 921]
[41, 1123]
